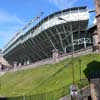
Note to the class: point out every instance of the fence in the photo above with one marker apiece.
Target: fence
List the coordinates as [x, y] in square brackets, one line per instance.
[57, 94]
[52, 95]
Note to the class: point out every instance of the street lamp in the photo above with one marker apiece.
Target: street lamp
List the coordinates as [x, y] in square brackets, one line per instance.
[80, 62]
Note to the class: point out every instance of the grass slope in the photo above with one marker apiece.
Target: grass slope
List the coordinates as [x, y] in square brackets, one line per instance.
[54, 77]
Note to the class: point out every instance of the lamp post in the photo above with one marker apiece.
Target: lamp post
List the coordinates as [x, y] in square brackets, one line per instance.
[80, 62]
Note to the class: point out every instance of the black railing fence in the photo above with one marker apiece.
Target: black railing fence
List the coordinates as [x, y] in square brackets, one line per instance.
[52, 95]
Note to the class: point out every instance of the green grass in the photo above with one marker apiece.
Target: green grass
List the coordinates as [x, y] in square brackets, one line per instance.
[53, 79]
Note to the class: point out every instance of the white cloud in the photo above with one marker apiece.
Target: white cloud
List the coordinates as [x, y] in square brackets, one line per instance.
[61, 4]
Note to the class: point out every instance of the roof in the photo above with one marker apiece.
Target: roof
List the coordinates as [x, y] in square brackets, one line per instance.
[53, 14]
[59, 12]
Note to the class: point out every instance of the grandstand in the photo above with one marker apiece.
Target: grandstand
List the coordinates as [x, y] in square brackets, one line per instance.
[64, 31]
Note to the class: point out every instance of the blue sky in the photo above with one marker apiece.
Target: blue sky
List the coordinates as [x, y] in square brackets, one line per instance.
[14, 14]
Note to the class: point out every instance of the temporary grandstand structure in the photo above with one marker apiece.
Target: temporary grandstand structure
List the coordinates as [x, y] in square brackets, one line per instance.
[51, 33]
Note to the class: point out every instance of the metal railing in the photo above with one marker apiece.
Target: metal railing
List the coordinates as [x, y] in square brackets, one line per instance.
[52, 95]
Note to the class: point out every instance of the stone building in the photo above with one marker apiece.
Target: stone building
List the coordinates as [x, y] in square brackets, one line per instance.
[3, 63]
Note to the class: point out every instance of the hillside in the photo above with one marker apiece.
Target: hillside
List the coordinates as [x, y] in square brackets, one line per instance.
[53, 79]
